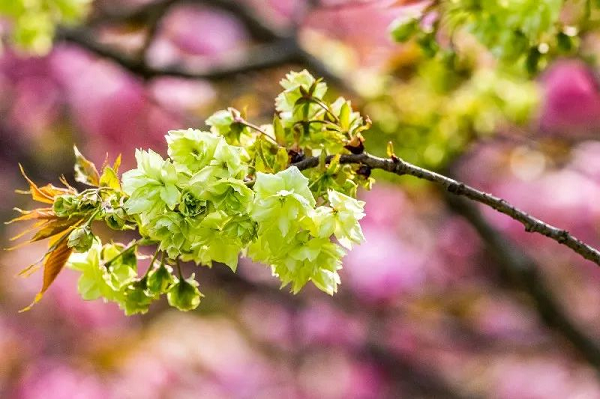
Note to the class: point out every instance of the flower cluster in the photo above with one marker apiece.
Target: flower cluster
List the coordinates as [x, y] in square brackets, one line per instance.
[220, 194]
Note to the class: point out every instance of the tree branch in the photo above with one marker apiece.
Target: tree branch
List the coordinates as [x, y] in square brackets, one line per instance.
[262, 57]
[255, 25]
[532, 224]
[520, 269]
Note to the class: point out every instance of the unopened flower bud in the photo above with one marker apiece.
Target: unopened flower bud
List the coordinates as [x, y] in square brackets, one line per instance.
[81, 239]
[65, 205]
[184, 295]
[115, 219]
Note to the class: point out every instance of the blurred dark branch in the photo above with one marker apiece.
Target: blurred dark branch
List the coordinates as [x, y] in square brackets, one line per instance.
[141, 15]
[532, 224]
[262, 57]
[153, 24]
[414, 380]
[406, 375]
[522, 271]
[277, 49]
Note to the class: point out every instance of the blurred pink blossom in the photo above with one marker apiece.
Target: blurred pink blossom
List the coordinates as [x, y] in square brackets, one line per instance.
[571, 107]
[321, 323]
[52, 379]
[195, 36]
[383, 267]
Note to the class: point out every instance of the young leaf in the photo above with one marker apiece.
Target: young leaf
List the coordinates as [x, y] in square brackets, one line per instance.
[278, 129]
[36, 193]
[55, 260]
[53, 228]
[85, 170]
[40, 213]
[390, 150]
[345, 116]
[281, 159]
[110, 179]
[117, 164]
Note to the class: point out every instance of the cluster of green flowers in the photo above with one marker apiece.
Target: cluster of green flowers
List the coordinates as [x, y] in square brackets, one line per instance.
[294, 236]
[220, 194]
[194, 204]
[110, 272]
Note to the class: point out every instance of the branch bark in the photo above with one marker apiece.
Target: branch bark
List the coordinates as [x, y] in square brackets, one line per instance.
[531, 224]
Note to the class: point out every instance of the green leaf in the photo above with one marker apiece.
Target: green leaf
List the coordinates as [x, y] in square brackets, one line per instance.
[110, 179]
[281, 159]
[279, 131]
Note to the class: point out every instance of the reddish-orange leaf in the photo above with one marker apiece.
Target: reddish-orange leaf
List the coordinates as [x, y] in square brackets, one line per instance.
[53, 265]
[34, 190]
[40, 213]
[55, 227]
[35, 226]
[53, 191]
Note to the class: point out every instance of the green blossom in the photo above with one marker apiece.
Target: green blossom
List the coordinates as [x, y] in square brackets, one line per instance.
[152, 186]
[224, 123]
[81, 239]
[191, 149]
[281, 200]
[65, 205]
[136, 298]
[160, 279]
[241, 228]
[94, 281]
[211, 242]
[229, 161]
[184, 294]
[229, 195]
[192, 206]
[341, 219]
[116, 218]
[310, 259]
[295, 84]
[171, 231]
[99, 279]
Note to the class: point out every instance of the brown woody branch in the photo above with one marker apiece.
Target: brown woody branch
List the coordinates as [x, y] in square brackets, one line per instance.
[532, 224]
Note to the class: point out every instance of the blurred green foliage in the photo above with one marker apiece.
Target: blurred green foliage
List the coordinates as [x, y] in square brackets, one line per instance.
[435, 113]
[34, 22]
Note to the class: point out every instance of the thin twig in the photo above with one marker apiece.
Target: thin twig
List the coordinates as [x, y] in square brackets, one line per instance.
[532, 224]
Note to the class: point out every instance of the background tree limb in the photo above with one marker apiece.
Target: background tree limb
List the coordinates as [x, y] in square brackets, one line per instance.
[523, 273]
